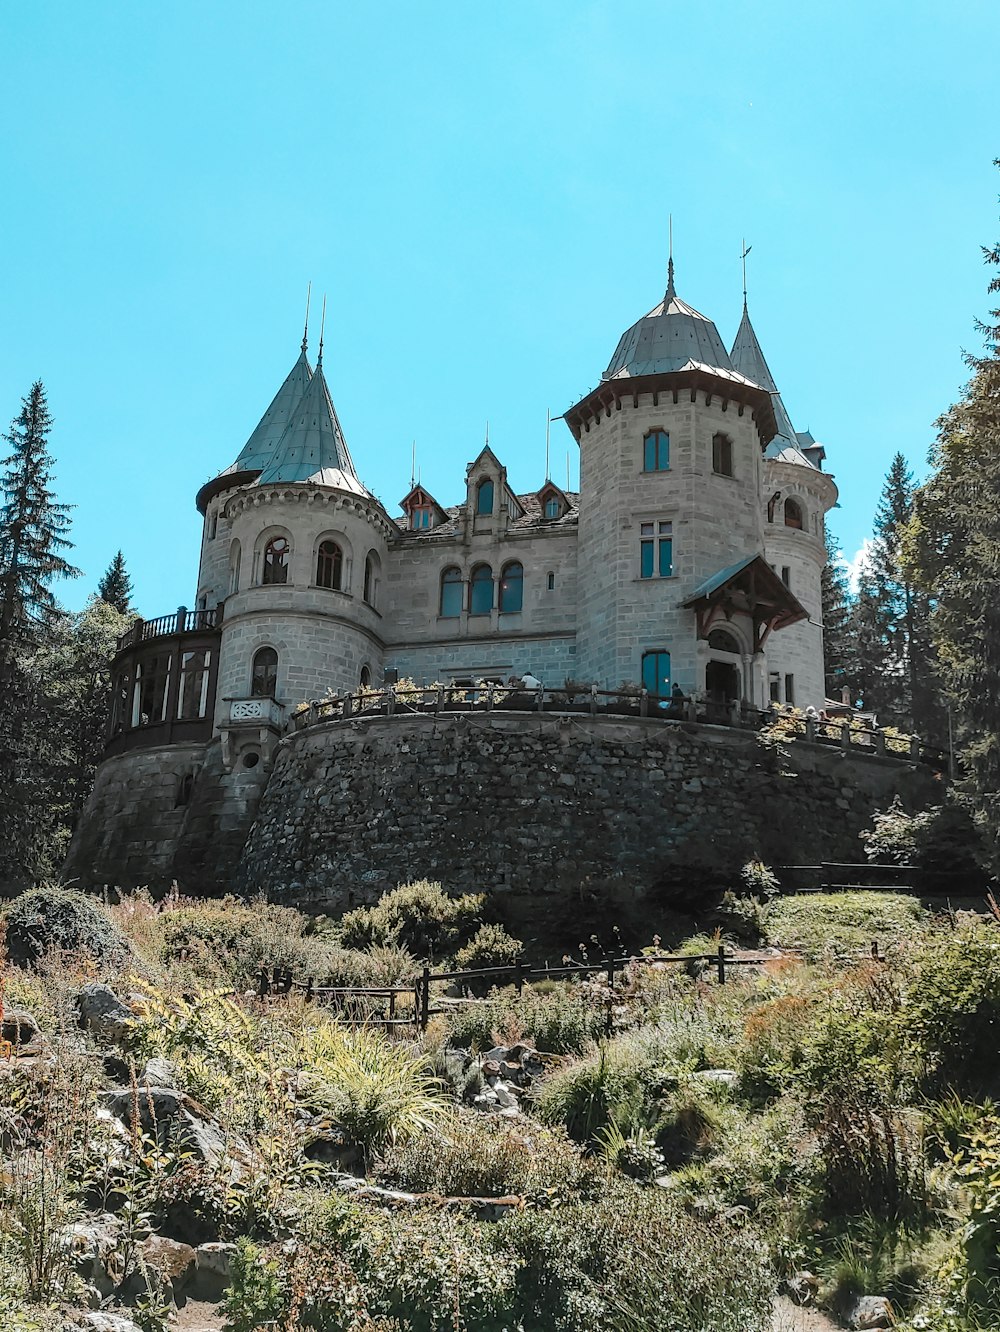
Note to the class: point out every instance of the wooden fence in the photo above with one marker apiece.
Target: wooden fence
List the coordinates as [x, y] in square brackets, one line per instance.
[355, 1001]
[831, 876]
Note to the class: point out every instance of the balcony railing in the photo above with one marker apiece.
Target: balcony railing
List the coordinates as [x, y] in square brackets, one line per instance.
[183, 621]
[255, 712]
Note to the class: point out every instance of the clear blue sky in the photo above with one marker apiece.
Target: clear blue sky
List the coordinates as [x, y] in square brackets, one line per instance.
[483, 191]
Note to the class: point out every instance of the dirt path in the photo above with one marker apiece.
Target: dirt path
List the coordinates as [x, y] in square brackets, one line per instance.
[788, 1317]
[197, 1316]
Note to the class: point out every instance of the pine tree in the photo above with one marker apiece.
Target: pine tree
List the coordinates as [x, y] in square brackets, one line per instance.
[896, 655]
[838, 638]
[33, 529]
[116, 586]
[953, 546]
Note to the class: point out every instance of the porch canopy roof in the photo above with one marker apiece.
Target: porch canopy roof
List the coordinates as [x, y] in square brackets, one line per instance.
[750, 587]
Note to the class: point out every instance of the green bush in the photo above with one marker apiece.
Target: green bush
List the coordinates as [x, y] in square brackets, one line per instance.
[61, 920]
[490, 946]
[841, 924]
[940, 840]
[559, 1021]
[420, 917]
[952, 1009]
[487, 1157]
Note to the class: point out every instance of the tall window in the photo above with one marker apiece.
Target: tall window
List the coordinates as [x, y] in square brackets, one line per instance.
[451, 592]
[656, 550]
[481, 593]
[790, 689]
[722, 455]
[550, 580]
[366, 677]
[511, 588]
[329, 565]
[276, 554]
[371, 579]
[234, 567]
[656, 673]
[264, 677]
[152, 685]
[656, 451]
[552, 507]
[484, 497]
[192, 689]
[419, 517]
[793, 514]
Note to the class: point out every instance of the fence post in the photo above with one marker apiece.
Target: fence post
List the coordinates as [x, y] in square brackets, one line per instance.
[644, 703]
[845, 736]
[416, 1004]
[915, 748]
[263, 983]
[720, 963]
[392, 1006]
[875, 953]
[593, 700]
[489, 697]
[390, 703]
[440, 699]
[425, 997]
[518, 976]
[541, 698]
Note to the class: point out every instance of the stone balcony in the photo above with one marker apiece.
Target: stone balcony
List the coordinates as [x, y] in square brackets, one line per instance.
[250, 729]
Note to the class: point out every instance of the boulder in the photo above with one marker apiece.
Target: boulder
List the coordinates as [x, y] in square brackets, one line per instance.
[101, 1012]
[159, 1072]
[871, 1311]
[171, 1263]
[93, 1246]
[21, 1030]
[106, 1322]
[213, 1271]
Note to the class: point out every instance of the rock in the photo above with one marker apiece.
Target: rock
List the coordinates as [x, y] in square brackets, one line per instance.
[93, 1245]
[802, 1286]
[107, 1322]
[213, 1271]
[155, 1105]
[101, 1011]
[159, 1073]
[21, 1030]
[176, 1119]
[505, 1098]
[724, 1077]
[173, 1263]
[871, 1311]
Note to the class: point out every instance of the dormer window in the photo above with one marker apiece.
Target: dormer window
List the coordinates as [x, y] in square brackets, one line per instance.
[420, 518]
[484, 497]
[553, 509]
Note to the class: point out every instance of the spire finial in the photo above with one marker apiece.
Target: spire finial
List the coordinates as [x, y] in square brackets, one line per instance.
[487, 434]
[413, 463]
[746, 250]
[322, 329]
[305, 331]
[671, 293]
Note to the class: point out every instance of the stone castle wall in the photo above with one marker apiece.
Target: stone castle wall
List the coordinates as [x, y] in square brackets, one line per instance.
[537, 809]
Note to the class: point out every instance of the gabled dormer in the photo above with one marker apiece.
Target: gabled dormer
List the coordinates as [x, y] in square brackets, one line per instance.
[553, 503]
[422, 510]
[486, 479]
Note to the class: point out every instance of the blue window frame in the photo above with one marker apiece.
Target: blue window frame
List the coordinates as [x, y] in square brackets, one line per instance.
[511, 588]
[552, 508]
[452, 589]
[484, 497]
[481, 591]
[656, 550]
[656, 673]
[656, 451]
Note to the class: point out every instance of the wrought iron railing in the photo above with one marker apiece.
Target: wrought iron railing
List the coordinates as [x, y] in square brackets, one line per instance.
[183, 621]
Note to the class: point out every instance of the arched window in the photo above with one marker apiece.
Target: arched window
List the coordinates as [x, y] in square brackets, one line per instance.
[481, 590]
[372, 568]
[793, 514]
[656, 673]
[484, 497]
[264, 677]
[720, 640]
[329, 565]
[234, 567]
[722, 455]
[550, 580]
[656, 451]
[511, 588]
[275, 568]
[366, 677]
[452, 589]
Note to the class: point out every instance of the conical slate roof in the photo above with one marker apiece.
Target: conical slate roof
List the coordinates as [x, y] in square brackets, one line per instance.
[748, 359]
[259, 448]
[670, 337]
[312, 446]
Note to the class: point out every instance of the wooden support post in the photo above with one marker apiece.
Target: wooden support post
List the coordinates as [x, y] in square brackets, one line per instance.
[644, 703]
[489, 697]
[263, 983]
[518, 976]
[720, 963]
[915, 748]
[425, 997]
[440, 699]
[310, 987]
[810, 730]
[540, 703]
[880, 743]
[845, 736]
[593, 700]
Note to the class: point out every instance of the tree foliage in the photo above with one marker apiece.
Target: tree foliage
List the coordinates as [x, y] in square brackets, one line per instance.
[838, 638]
[953, 548]
[116, 586]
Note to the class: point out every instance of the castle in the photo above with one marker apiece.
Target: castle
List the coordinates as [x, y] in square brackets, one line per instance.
[690, 558]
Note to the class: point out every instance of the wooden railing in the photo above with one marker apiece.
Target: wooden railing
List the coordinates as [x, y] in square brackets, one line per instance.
[491, 697]
[354, 1001]
[182, 621]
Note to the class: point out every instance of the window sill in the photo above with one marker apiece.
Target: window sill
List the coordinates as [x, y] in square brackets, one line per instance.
[725, 476]
[656, 578]
[656, 471]
[318, 587]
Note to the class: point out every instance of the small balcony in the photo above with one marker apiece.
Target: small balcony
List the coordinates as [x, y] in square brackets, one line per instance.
[183, 621]
[255, 712]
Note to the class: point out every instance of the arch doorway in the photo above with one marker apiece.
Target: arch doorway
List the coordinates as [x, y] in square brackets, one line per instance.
[722, 683]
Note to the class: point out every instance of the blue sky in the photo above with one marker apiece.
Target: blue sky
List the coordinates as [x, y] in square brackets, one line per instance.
[483, 192]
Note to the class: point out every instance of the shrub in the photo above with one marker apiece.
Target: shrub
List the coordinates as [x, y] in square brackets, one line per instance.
[634, 1260]
[47, 919]
[487, 1157]
[824, 925]
[758, 880]
[490, 946]
[379, 1091]
[952, 1008]
[561, 1021]
[420, 917]
[940, 840]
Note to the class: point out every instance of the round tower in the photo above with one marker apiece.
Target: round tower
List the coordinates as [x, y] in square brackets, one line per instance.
[672, 586]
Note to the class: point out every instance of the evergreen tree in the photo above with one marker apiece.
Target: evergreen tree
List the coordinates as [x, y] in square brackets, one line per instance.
[892, 620]
[116, 586]
[953, 546]
[33, 529]
[838, 638]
